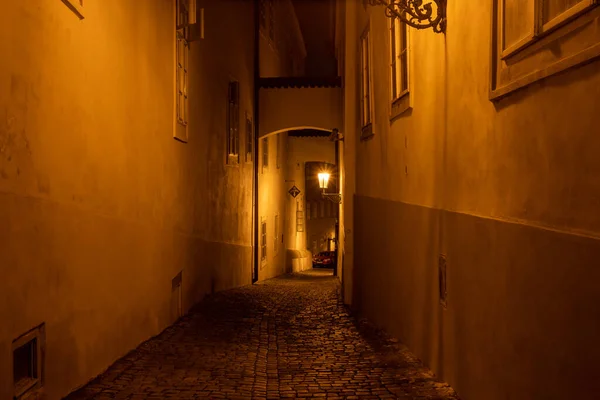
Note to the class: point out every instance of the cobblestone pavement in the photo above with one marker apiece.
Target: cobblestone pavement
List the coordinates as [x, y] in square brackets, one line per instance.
[289, 337]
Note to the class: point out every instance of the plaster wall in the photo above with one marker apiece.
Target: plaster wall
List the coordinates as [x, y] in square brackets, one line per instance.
[507, 191]
[100, 208]
[282, 109]
[272, 203]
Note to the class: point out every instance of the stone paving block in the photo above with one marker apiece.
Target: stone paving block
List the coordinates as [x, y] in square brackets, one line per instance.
[289, 337]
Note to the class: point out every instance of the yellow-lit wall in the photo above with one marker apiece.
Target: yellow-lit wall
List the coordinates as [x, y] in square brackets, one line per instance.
[271, 203]
[99, 206]
[507, 191]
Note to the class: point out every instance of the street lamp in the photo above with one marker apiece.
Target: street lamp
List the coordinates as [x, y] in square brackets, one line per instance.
[323, 180]
[323, 183]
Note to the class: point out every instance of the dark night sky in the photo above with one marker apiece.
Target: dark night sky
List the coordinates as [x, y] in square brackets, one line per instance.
[317, 24]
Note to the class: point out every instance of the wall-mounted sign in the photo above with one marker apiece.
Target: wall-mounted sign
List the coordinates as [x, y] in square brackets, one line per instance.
[294, 191]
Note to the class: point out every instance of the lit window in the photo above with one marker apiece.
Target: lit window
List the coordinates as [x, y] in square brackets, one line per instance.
[534, 39]
[366, 90]
[182, 59]
[233, 122]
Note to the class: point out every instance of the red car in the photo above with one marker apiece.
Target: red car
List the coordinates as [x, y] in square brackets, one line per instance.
[324, 259]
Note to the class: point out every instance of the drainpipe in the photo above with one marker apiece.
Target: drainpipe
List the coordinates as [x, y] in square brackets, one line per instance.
[255, 217]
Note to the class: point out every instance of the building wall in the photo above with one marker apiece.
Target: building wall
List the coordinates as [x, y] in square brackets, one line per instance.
[506, 190]
[100, 208]
[282, 49]
[272, 203]
[346, 50]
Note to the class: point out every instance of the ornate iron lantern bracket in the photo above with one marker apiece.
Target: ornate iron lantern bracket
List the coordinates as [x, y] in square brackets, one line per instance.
[419, 14]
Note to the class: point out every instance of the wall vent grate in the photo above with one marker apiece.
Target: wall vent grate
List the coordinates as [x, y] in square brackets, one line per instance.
[28, 362]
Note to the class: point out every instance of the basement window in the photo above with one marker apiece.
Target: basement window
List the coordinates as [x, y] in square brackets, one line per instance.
[28, 362]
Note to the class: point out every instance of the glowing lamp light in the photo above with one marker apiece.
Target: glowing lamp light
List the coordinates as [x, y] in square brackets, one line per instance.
[323, 180]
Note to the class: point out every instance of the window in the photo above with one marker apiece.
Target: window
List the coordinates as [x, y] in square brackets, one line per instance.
[277, 151]
[182, 58]
[300, 221]
[265, 153]
[366, 89]
[399, 81]
[308, 210]
[249, 139]
[263, 240]
[233, 123]
[76, 6]
[534, 39]
[276, 232]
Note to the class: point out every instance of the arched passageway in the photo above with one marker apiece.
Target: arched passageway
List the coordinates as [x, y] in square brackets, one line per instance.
[295, 123]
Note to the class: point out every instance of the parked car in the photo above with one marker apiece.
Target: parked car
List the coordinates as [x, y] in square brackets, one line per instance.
[324, 259]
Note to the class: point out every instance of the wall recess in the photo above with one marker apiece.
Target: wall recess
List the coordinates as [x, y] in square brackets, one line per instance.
[28, 354]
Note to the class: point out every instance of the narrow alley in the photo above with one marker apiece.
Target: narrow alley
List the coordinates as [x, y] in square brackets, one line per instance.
[288, 337]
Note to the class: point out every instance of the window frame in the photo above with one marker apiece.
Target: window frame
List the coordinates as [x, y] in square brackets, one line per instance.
[263, 240]
[366, 94]
[400, 101]
[233, 123]
[299, 221]
[182, 50]
[541, 37]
